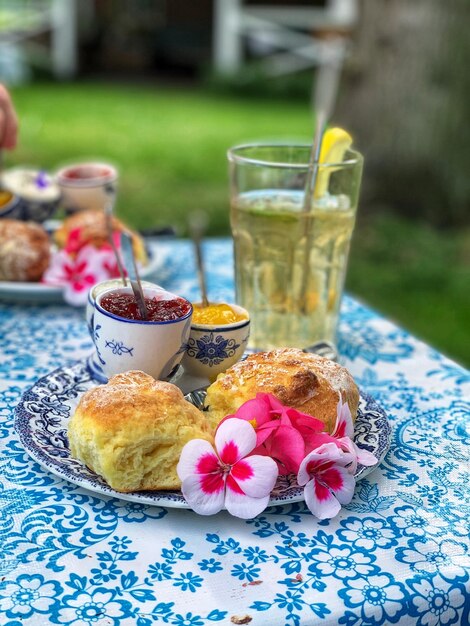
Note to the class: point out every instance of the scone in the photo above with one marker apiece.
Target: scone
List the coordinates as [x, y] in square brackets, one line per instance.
[25, 251]
[131, 431]
[93, 231]
[304, 381]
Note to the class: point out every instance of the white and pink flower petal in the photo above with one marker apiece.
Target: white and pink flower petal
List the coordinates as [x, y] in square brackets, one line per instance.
[340, 482]
[364, 457]
[255, 475]
[234, 439]
[241, 505]
[317, 460]
[319, 499]
[344, 426]
[60, 267]
[204, 493]
[347, 445]
[197, 457]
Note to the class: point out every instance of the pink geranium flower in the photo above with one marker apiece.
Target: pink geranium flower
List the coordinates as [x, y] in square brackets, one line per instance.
[283, 433]
[77, 273]
[327, 480]
[344, 432]
[227, 476]
[74, 241]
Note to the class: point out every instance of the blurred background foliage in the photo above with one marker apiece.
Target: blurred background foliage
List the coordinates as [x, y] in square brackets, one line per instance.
[144, 94]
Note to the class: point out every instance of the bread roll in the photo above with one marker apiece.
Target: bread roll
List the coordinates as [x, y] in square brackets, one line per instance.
[25, 251]
[304, 381]
[94, 231]
[131, 431]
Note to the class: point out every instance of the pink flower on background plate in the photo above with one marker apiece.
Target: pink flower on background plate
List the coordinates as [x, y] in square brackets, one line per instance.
[227, 476]
[74, 241]
[77, 273]
[326, 479]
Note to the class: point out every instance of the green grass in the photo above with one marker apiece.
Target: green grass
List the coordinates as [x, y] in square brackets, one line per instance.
[170, 147]
[418, 277]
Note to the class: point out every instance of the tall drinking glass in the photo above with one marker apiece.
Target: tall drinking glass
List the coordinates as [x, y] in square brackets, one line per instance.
[290, 264]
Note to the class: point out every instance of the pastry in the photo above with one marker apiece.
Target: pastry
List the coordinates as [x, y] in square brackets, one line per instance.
[305, 381]
[93, 230]
[25, 251]
[131, 431]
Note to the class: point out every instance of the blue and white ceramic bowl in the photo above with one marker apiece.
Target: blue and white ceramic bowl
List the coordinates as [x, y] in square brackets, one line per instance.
[212, 348]
[153, 347]
[11, 208]
[38, 194]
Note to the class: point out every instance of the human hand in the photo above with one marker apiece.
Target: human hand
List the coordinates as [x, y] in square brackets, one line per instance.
[8, 120]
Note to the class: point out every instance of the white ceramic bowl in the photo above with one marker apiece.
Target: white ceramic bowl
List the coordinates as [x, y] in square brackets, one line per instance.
[153, 347]
[88, 190]
[213, 348]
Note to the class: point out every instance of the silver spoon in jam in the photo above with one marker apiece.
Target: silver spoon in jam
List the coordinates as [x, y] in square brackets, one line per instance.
[108, 212]
[133, 274]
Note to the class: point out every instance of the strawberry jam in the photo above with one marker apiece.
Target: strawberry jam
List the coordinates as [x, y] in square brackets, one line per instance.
[86, 172]
[124, 305]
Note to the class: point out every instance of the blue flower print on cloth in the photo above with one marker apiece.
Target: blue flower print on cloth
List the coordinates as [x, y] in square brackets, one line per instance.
[397, 554]
[368, 533]
[429, 555]
[436, 601]
[379, 598]
[412, 522]
[343, 561]
[85, 608]
[29, 594]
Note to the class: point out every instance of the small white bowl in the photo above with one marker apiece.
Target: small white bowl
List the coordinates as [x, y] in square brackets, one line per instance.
[213, 348]
[122, 344]
[88, 189]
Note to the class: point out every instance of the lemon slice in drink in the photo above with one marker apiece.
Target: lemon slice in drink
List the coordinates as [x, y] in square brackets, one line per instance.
[334, 145]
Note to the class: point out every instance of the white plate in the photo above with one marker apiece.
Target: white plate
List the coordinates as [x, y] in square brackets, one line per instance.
[19, 292]
[41, 422]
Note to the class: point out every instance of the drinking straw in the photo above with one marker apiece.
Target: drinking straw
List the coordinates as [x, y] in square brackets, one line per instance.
[197, 228]
[326, 88]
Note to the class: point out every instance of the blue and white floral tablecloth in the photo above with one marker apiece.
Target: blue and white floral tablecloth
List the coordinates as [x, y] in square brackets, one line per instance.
[399, 553]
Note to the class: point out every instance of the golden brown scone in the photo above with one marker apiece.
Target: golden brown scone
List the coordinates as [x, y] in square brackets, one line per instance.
[306, 382]
[131, 431]
[94, 231]
[25, 251]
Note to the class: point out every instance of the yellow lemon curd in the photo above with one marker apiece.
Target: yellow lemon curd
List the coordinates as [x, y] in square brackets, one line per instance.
[216, 314]
[5, 197]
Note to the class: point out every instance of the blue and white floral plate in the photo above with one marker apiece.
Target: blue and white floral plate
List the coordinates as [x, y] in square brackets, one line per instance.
[41, 422]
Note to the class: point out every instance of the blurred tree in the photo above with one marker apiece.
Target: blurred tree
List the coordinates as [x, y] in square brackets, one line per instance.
[405, 96]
